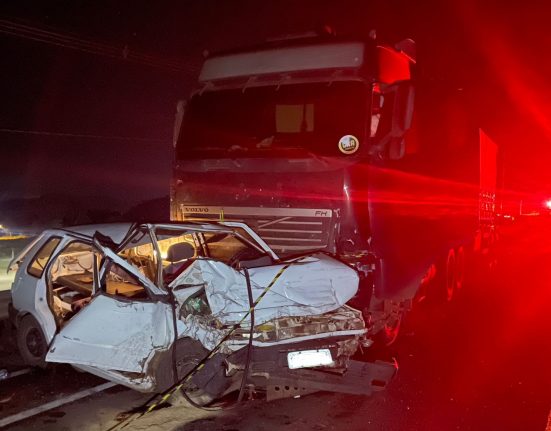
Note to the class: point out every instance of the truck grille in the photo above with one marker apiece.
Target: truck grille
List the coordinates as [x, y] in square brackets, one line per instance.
[285, 230]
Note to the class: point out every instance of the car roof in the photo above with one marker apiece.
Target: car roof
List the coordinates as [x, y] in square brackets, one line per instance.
[115, 231]
[118, 231]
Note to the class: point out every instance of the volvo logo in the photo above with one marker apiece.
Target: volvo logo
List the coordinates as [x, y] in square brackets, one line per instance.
[195, 209]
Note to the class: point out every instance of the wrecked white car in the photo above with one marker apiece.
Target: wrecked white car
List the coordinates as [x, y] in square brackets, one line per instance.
[143, 304]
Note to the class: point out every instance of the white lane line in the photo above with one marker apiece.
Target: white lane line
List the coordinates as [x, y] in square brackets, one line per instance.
[53, 404]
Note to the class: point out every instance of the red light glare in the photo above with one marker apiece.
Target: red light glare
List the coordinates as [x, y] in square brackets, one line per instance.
[548, 204]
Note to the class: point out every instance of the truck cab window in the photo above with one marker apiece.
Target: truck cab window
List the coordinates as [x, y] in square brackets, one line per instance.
[291, 121]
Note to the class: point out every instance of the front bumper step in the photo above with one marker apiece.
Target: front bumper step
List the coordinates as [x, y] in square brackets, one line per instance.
[361, 378]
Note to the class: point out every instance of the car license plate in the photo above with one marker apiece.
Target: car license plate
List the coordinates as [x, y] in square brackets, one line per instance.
[309, 358]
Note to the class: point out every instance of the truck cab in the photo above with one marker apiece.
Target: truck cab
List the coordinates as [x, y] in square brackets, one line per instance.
[304, 140]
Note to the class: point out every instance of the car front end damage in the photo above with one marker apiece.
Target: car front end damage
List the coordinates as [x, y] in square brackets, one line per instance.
[302, 339]
[268, 371]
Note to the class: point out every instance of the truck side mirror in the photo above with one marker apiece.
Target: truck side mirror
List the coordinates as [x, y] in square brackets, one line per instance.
[395, 120]
[180, 109]
[396, 148]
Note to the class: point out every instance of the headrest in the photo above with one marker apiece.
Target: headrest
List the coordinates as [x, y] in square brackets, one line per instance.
[180, 251]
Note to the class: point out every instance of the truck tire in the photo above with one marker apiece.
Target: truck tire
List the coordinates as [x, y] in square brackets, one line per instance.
[491, 256]
[450, 278]
[31, 342]
[389, 334]
[459, 267]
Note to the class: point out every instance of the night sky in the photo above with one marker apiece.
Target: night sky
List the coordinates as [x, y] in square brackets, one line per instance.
[123, 96]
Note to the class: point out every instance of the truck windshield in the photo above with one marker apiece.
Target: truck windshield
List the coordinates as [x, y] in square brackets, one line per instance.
[273, 121]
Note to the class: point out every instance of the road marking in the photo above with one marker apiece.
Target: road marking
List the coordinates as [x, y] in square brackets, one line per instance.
[54, 404]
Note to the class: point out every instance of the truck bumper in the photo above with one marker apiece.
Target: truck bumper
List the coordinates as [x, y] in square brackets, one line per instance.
[360, 378]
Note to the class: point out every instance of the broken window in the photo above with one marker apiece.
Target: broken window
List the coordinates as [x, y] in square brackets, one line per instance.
[120, 283]
[140, 253]
[223, 246]
[37, 265]
[177, 249]
[71, 279]
[233, 250]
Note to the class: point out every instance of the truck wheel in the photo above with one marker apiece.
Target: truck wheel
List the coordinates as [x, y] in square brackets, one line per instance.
[31, 342]
[450, 280]
[390, 331]
[491, 255]
[459, 267]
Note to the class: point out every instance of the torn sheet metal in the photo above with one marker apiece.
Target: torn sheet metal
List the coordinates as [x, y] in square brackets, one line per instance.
[314, 286]
[344, 321]
[210, 336]
[124, 336]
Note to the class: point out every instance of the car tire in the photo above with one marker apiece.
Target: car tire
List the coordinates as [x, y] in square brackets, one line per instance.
[31, 342]
[450, 275]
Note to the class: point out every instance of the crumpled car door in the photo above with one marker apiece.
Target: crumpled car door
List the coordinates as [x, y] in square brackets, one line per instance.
[116, 338]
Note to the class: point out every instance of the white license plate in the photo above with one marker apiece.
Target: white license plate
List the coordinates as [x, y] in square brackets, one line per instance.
[309, 358]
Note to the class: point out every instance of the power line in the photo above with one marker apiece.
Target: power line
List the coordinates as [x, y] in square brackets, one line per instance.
[51, 37]
[82, 135]
[90, 46]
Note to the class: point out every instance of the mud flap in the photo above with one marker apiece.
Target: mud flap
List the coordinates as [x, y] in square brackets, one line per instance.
[361, 378]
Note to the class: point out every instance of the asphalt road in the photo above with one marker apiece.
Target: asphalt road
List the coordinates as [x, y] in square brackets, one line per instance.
[478, 363]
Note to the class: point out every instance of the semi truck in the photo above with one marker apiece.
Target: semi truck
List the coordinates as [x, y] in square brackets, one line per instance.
[314, 143]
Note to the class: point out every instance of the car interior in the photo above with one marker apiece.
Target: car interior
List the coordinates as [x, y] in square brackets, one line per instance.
[71, 280]
[179, 256]
[71, 275]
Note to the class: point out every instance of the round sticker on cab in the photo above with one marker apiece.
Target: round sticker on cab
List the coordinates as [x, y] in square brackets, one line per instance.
[349, 144]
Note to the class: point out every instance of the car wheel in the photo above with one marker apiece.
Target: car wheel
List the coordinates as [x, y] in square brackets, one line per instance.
[31, 342]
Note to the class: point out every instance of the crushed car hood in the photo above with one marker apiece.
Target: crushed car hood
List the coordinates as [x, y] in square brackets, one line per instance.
[317, 285]
[312, 286]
